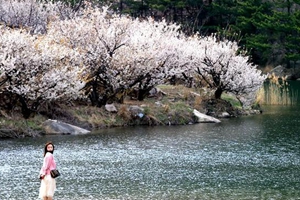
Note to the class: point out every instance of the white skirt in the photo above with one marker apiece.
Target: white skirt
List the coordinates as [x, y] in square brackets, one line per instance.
[48, 186]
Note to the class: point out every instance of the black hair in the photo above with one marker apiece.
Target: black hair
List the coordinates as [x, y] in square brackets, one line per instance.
[45, 149]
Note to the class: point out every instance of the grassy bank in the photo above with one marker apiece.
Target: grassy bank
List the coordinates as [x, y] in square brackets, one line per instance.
[172, 105]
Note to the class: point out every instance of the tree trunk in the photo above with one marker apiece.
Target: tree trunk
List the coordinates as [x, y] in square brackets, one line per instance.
[94, 97]
[26, 112]
[142, 93]
[218, 93]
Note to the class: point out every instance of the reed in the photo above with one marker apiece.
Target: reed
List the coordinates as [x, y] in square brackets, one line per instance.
[276, 91]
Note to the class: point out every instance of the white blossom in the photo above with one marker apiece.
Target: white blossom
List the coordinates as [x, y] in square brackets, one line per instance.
[104, 53]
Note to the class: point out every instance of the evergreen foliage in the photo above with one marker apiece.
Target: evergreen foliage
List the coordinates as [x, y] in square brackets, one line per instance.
[269, 30]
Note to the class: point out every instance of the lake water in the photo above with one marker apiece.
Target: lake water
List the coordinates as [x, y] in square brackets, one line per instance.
[252, 157]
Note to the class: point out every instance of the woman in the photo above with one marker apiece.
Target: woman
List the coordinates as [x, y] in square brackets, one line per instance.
[48, 184]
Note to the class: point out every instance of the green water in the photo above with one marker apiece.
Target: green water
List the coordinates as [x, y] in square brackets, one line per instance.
[254, 157]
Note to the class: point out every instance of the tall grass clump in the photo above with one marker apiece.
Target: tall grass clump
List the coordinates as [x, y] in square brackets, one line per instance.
[276, 91]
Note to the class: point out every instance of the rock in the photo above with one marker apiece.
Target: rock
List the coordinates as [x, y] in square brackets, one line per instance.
[156, 93]
[136, 111]
[58, 127]
[281, 71]
[252, 112]
[202, 118]
[7, 133]
[111, 108]
[224, 115]
[278, 71]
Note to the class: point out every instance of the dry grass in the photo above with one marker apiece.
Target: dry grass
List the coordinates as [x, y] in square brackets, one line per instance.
[124, 113]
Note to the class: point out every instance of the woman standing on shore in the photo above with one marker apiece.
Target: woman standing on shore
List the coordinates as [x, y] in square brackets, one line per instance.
[48, 184]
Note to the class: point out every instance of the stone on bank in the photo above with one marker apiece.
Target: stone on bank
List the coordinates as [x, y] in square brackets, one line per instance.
[55, 127]
[202, 118]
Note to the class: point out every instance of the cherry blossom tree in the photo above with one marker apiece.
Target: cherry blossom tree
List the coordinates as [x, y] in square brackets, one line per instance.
[37, 69]
[33, 15]
[118, 53]
[97, 38]
[225, 70]
[146, 59]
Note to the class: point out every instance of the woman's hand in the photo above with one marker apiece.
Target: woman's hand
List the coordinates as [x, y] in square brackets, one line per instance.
[42, 176]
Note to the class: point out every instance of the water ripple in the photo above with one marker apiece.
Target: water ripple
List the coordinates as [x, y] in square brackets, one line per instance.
[238, 159]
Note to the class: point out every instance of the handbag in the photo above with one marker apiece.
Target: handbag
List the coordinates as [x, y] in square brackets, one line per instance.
[54, 173]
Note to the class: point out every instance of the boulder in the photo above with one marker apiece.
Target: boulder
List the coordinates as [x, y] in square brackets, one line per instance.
[202, 118]
[61, 128]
